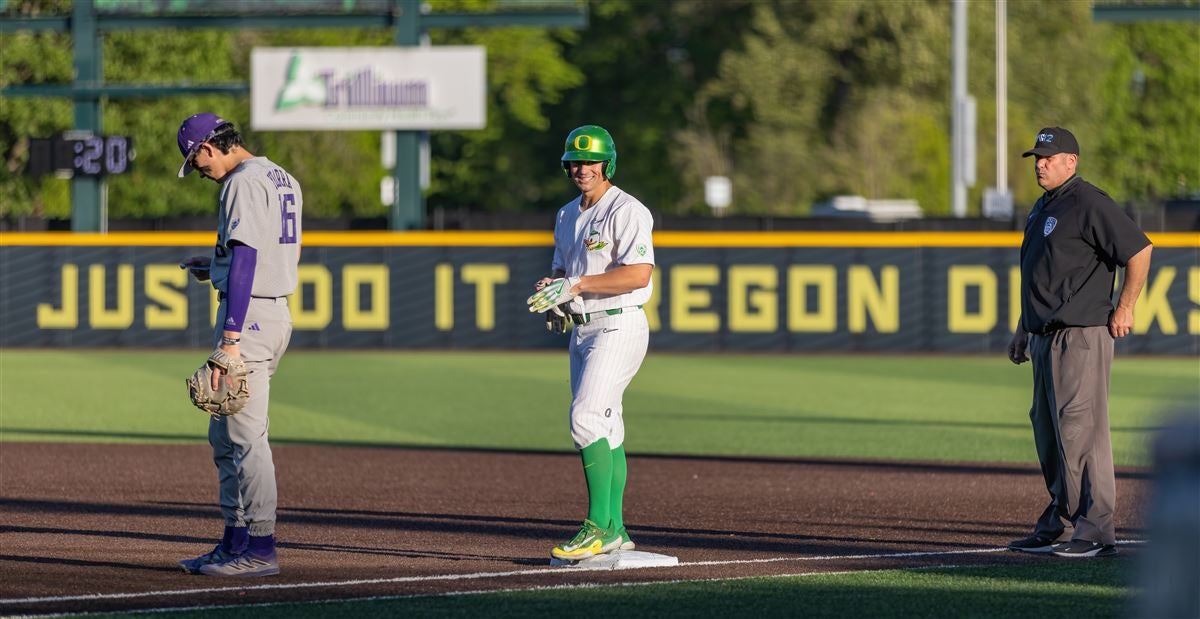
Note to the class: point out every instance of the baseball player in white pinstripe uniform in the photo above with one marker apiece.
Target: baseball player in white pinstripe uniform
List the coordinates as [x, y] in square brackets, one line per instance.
[253, 267]
[603, 259]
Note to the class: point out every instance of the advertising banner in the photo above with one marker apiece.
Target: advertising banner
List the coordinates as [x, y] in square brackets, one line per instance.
[712, 292]
[344, 88]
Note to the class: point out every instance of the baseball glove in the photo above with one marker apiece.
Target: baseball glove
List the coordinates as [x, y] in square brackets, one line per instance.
[233, 387]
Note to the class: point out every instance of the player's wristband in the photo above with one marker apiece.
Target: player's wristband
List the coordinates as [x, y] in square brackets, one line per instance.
[230, 341]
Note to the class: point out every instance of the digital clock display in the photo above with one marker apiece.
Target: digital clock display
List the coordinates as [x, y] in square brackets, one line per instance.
[80, 153]
[88, 153]
[96, 155]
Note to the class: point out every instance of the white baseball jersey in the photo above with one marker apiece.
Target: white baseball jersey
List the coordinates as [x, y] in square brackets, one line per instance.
[612, 233]
[607, 352]
[260, 206]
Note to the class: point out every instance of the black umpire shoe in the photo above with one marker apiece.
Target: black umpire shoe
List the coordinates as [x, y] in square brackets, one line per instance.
[1033, 543]
[1082, 548]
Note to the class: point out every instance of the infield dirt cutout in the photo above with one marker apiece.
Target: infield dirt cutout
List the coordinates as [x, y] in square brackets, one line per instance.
[90, 527]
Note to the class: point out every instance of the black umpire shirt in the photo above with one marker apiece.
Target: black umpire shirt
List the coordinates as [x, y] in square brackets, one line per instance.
[1075, 238]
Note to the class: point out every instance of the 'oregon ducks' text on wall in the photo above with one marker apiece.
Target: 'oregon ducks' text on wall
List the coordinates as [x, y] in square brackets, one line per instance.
[746, 292]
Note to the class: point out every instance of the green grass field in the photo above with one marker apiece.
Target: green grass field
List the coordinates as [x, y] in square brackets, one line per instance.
[911, 407]
[1096, 589]
[874, 407]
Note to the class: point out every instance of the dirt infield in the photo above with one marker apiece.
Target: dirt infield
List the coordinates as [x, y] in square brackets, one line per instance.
[101, 527]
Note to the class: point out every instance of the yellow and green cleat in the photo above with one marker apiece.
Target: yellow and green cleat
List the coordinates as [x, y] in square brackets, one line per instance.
[591, 540]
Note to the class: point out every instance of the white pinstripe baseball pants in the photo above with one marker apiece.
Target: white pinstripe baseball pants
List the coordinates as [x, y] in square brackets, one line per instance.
[606, 354]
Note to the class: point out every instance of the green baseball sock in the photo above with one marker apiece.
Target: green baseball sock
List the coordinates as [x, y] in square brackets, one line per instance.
[597, 469]
[619, 474]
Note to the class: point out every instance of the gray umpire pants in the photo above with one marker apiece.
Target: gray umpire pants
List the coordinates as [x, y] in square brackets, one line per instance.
[1070, 426]
[245, 468]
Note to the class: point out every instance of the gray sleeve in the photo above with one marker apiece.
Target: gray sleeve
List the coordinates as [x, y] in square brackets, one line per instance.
[251, 212]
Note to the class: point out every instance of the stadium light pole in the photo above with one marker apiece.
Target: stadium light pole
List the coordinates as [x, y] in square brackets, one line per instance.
[1002, 96]
[962, 124]
[997, 200]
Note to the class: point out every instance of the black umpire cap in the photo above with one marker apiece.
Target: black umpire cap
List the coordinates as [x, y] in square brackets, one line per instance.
[1052, 141]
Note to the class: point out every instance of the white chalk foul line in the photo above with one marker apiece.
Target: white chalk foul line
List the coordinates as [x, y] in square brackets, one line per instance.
[563, 587]
[896, 555]
[477, 576]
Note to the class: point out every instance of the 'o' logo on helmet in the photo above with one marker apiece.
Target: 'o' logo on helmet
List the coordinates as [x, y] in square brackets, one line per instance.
[583, 142]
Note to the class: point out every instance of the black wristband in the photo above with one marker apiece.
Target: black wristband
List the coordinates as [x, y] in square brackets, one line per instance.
[230, 341]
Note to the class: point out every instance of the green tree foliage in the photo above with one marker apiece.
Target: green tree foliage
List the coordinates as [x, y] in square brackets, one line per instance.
[1152, 90]
[642, 64]
[795, 101]
[152, 189]
[340, 170]
[805, 86]
[32, 58]
[889, 146]
[777, 86]
[501, 168]
[1055, 55]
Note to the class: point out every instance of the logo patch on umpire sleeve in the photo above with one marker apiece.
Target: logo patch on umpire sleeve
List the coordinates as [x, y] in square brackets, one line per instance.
[1050, 223]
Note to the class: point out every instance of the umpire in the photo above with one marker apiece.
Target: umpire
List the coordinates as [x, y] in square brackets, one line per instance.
[1075, 239]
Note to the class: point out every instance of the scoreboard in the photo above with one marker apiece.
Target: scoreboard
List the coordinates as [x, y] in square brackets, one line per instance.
[80, 154]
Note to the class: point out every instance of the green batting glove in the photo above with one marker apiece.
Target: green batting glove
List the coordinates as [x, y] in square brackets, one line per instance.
[556, 292]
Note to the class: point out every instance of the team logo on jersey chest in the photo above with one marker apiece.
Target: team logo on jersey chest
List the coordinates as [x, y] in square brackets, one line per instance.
[1049, 227]
[593, 242]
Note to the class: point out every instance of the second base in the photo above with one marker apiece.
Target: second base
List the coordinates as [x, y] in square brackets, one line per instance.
[620, 560]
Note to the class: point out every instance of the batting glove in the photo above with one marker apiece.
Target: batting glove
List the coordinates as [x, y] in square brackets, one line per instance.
[556, 321]
[556, 292]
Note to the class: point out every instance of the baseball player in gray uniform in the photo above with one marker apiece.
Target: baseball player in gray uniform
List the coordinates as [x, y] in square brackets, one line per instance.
[603, 259]
[253, 267]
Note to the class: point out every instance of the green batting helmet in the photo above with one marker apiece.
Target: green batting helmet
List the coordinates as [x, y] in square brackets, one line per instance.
[591, 143]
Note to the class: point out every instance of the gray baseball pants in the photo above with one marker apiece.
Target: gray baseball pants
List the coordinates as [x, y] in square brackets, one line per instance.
[245, 469]
[1070, 427]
